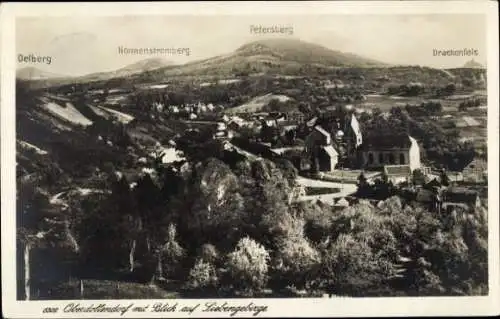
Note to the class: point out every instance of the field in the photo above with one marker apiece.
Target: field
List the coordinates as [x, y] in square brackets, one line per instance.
[68, 113]
[386, 103]
[257, 103]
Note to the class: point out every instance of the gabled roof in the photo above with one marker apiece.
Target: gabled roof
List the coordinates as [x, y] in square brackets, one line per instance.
[323, 132]
[455, 204]
[387, 142]
[312, 122]
[477, 163]
[330, 151]
[433, 183]
[355, 125]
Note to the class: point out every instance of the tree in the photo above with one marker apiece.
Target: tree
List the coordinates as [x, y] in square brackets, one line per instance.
[202, 275]
[169, 255]
[418, 178]
[248, 265]
[215, 211]
[445, 181]
[38, 227]
[449, 89]
[351, 267]
[296, 261]
[363, 186]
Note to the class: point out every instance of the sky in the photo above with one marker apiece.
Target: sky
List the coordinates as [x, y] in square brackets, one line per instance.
[83, 45]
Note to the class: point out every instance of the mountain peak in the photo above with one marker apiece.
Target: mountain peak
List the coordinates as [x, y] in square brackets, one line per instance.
[289, 49]
[473, 64]
[34, 73]
[147, 64]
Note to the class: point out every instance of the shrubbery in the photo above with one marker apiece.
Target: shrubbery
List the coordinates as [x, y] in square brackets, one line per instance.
[248, 265]
[202, 275]
[198, 235]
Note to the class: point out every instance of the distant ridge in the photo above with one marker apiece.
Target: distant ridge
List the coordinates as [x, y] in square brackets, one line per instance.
[472, 64]
[281, 56]
[134, 68]
[33, 73]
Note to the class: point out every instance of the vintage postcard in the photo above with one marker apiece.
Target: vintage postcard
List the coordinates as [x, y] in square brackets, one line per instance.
[254, 159]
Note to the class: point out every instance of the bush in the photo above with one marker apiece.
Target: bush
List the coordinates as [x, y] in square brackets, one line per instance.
[248, 265]
[350, 267]
[172, 253]
[202, 275]
[209, 253]
[296, 261]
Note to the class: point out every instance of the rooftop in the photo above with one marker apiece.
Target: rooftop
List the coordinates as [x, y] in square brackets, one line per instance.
[330, 151]
[386, 142]
[460, 195]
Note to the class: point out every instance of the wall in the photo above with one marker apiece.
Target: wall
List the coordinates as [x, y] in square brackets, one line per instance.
[414, 155]
[386, 158]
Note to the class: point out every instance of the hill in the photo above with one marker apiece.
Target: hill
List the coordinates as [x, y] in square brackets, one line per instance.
[33, 73]
[304, 52]
[137, 67]
[145, 65]
[279, 56]
[45, 79]
[472, 64]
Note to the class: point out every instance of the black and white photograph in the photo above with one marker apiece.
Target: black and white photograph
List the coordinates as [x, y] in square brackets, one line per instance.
[214, 157]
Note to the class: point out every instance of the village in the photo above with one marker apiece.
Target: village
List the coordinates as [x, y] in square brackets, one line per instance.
[338, 163]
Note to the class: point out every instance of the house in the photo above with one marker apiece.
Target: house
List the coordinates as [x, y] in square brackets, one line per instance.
[397, 149]
[158, 107]
[294, 116]
[318, 145]
[460, 197]
[476, 171]
[174, 109]
[221, 126]
[352, 138]
[317, 137]
[222, 135]
[312, 122]
[398, 174]
[238, 121]
[327, 158]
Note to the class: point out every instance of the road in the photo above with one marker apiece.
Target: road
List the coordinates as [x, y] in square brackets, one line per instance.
[308, 182]
[345, 188]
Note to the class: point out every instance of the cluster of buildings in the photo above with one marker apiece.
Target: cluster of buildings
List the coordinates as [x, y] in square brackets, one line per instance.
[344, 146]
[190, 110]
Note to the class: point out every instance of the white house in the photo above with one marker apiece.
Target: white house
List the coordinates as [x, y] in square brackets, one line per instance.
[397, 149]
